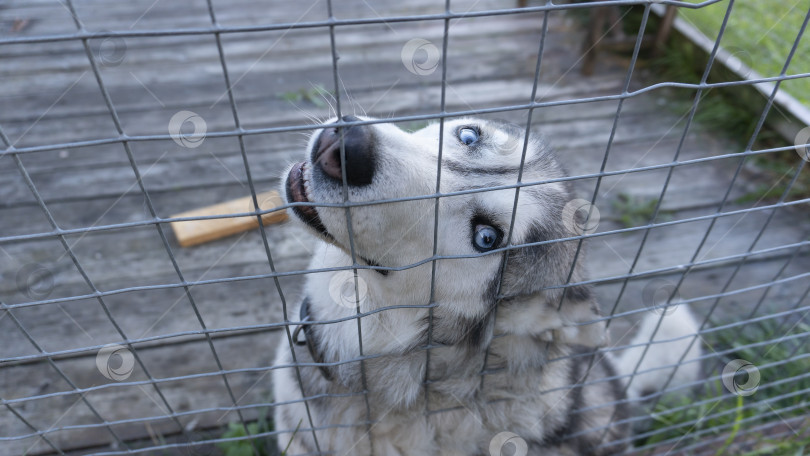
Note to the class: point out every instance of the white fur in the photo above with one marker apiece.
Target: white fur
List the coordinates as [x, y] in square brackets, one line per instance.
[529, 389]
[673, 344]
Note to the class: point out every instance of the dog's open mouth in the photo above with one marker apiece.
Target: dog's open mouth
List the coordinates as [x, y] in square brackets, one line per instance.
[297, 193]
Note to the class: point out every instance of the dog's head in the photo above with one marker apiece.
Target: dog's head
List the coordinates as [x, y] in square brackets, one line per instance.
[383, 162]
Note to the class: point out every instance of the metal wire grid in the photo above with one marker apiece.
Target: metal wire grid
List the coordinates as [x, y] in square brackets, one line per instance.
[239, 132]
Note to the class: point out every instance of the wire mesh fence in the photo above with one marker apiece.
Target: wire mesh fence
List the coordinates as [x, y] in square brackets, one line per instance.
[118, 341]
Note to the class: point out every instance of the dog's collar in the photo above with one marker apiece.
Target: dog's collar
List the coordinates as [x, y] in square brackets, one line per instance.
[309, 339]
[383, 272]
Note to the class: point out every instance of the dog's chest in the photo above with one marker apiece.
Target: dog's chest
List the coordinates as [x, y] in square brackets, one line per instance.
[465, 413]
[466, 402]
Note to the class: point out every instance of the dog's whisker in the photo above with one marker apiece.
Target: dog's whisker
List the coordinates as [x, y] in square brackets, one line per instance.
[348, 95]
[327, 97]
[307, 114]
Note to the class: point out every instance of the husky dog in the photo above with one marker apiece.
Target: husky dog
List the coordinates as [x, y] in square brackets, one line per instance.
[488, 349]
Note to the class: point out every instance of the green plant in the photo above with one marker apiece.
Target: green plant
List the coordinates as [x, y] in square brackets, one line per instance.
[773, 447]
[315, 95]
[636, 211]
[248, 446]
[736, 111]
[761, 35]
[779, 169]
[286, 448]
[715, 413]
[732, 111]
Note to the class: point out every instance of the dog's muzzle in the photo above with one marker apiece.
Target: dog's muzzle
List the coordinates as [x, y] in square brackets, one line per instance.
[297, 193]
[358, 144]
[325, 167]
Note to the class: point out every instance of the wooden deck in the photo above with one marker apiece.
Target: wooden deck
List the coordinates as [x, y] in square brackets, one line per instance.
[48, 95]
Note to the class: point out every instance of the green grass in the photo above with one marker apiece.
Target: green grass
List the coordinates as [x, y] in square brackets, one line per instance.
[246, 447]
[265, 446]
[774, 447]
[735, 111]
[761, 34]
[729, 417]
[781, 171]
[315, 95]
[634, 211]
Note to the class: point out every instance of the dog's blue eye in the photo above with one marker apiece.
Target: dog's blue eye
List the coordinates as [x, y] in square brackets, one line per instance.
[468, 136]
[485, 237]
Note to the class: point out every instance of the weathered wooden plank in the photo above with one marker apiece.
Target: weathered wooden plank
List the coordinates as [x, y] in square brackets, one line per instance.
[685, 191]
[248, 43]
[51, 18]
[277, 53]
[115, 260]
[139, 401]
[271, 111]
[96, 182]
[194, 232]
[266, 109]
[143, 314]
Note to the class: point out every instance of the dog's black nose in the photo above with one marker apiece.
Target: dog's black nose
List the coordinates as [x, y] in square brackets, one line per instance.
[358, 142]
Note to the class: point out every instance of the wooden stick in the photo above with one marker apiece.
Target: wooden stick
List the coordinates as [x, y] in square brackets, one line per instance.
[195, 232]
